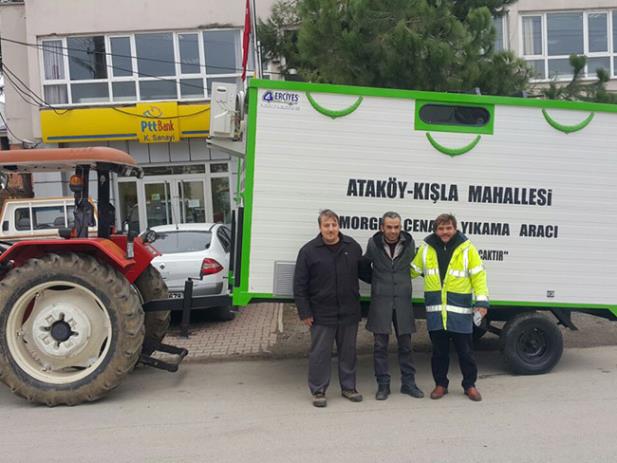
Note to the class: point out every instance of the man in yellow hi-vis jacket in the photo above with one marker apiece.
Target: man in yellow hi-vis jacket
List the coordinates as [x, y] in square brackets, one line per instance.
[453, 277]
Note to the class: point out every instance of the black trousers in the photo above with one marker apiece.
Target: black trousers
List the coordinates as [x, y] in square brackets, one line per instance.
[440, 361]
[322, 338]
[405, 360]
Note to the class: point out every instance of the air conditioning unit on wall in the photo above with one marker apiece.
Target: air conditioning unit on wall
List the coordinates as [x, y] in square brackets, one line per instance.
[226, 111]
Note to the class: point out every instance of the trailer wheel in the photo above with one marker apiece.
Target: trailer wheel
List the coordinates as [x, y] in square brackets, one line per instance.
[152, 286]
[71, 329]
[531, 344]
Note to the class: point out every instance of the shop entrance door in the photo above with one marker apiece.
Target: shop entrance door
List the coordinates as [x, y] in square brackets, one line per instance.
[172, 200]
[191, 200]
[175, 194]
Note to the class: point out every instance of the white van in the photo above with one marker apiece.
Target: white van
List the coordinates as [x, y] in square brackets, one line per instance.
[36, 218]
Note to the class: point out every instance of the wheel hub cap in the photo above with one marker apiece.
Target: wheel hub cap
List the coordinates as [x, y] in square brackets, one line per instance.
[61, 329]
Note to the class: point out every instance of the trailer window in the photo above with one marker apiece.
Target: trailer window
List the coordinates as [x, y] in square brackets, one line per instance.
[446, 117]
[474, 116]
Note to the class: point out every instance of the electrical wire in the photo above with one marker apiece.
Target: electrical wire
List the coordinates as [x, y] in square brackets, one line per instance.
[8, 129]
[23, 95]
[40, 46]
[141, 116]
[42, 102]
[32, 98]
[29, 94]
[139, 74]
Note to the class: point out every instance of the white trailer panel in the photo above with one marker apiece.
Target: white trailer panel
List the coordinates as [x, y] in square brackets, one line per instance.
[536, 193]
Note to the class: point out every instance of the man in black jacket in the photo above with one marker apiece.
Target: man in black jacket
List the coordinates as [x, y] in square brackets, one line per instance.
[388, 255]
[327, 295]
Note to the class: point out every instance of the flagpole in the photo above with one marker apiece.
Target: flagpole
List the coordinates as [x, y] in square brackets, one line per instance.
[256, 51]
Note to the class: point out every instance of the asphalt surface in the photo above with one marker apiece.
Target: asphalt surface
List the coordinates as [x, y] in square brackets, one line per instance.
[260, 411]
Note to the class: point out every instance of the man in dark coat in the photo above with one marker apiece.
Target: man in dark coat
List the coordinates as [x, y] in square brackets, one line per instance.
[389, 254]
[327, 295]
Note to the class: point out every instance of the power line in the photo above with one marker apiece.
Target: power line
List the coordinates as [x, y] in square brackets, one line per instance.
[41, 46]
[8, 129]
[140, 74]
[45, 103]
[29, 95]
[24, 96]
[32, 101]
[141, 116]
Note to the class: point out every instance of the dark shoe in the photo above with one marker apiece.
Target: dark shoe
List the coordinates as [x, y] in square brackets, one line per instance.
[473, 394]
[352, 394]
[383, 391]
[412, 390]
[439, 392]
[319, 400]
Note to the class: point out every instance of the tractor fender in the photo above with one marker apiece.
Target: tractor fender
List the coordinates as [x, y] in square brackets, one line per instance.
[111, 251]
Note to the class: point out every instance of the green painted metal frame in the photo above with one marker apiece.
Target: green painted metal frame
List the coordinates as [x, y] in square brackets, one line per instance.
[453, 151]
[487, 129]
[333, 113]
[567, 128]
[462, 98]
[241, 295]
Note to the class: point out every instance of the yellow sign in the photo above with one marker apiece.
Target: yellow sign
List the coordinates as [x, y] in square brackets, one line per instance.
[158, 123]
[154, 122]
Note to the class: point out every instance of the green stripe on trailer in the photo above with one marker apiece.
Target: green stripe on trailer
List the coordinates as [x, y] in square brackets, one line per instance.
[432, 96]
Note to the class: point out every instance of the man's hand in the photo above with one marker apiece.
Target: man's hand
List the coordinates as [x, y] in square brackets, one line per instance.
[481, 310]
[308, 321]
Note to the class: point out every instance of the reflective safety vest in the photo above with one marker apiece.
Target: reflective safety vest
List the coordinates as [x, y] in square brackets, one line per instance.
[450, 306]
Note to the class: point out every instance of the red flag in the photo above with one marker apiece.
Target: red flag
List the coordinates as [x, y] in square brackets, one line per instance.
[246, 38]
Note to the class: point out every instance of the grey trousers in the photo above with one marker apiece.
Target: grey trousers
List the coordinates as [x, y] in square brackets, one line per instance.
[322, 338]
[405, 359]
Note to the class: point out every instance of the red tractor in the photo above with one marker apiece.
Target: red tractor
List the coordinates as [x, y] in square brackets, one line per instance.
[77, 313]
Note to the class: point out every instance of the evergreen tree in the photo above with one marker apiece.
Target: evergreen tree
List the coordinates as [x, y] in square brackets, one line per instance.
[577, 90]
[442, 45]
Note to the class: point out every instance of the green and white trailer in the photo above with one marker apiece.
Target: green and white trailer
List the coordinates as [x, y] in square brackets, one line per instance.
[532, 183]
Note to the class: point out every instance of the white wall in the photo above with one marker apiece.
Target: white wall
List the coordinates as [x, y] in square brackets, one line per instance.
[18, 113]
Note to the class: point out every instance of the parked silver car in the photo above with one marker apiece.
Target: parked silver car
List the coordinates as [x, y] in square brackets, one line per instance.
[199, 251]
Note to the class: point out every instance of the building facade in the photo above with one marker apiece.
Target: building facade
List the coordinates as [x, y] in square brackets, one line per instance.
[546, 33]
[130, 75]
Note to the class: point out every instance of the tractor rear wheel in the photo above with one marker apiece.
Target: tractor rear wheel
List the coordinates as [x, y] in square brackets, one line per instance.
[71, 328]
[151, 286]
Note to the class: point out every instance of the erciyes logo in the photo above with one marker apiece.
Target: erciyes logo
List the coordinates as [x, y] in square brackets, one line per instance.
[281, 97]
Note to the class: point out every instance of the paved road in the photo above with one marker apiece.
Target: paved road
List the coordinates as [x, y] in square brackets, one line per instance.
[260, 411]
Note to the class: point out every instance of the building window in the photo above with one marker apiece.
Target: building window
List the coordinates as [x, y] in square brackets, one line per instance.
[139, 67]
[548, 40]
[500, 34]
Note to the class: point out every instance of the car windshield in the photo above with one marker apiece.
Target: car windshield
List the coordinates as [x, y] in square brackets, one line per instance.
[181, 241]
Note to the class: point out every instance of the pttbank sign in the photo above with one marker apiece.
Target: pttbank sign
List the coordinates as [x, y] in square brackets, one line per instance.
[159, 124]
